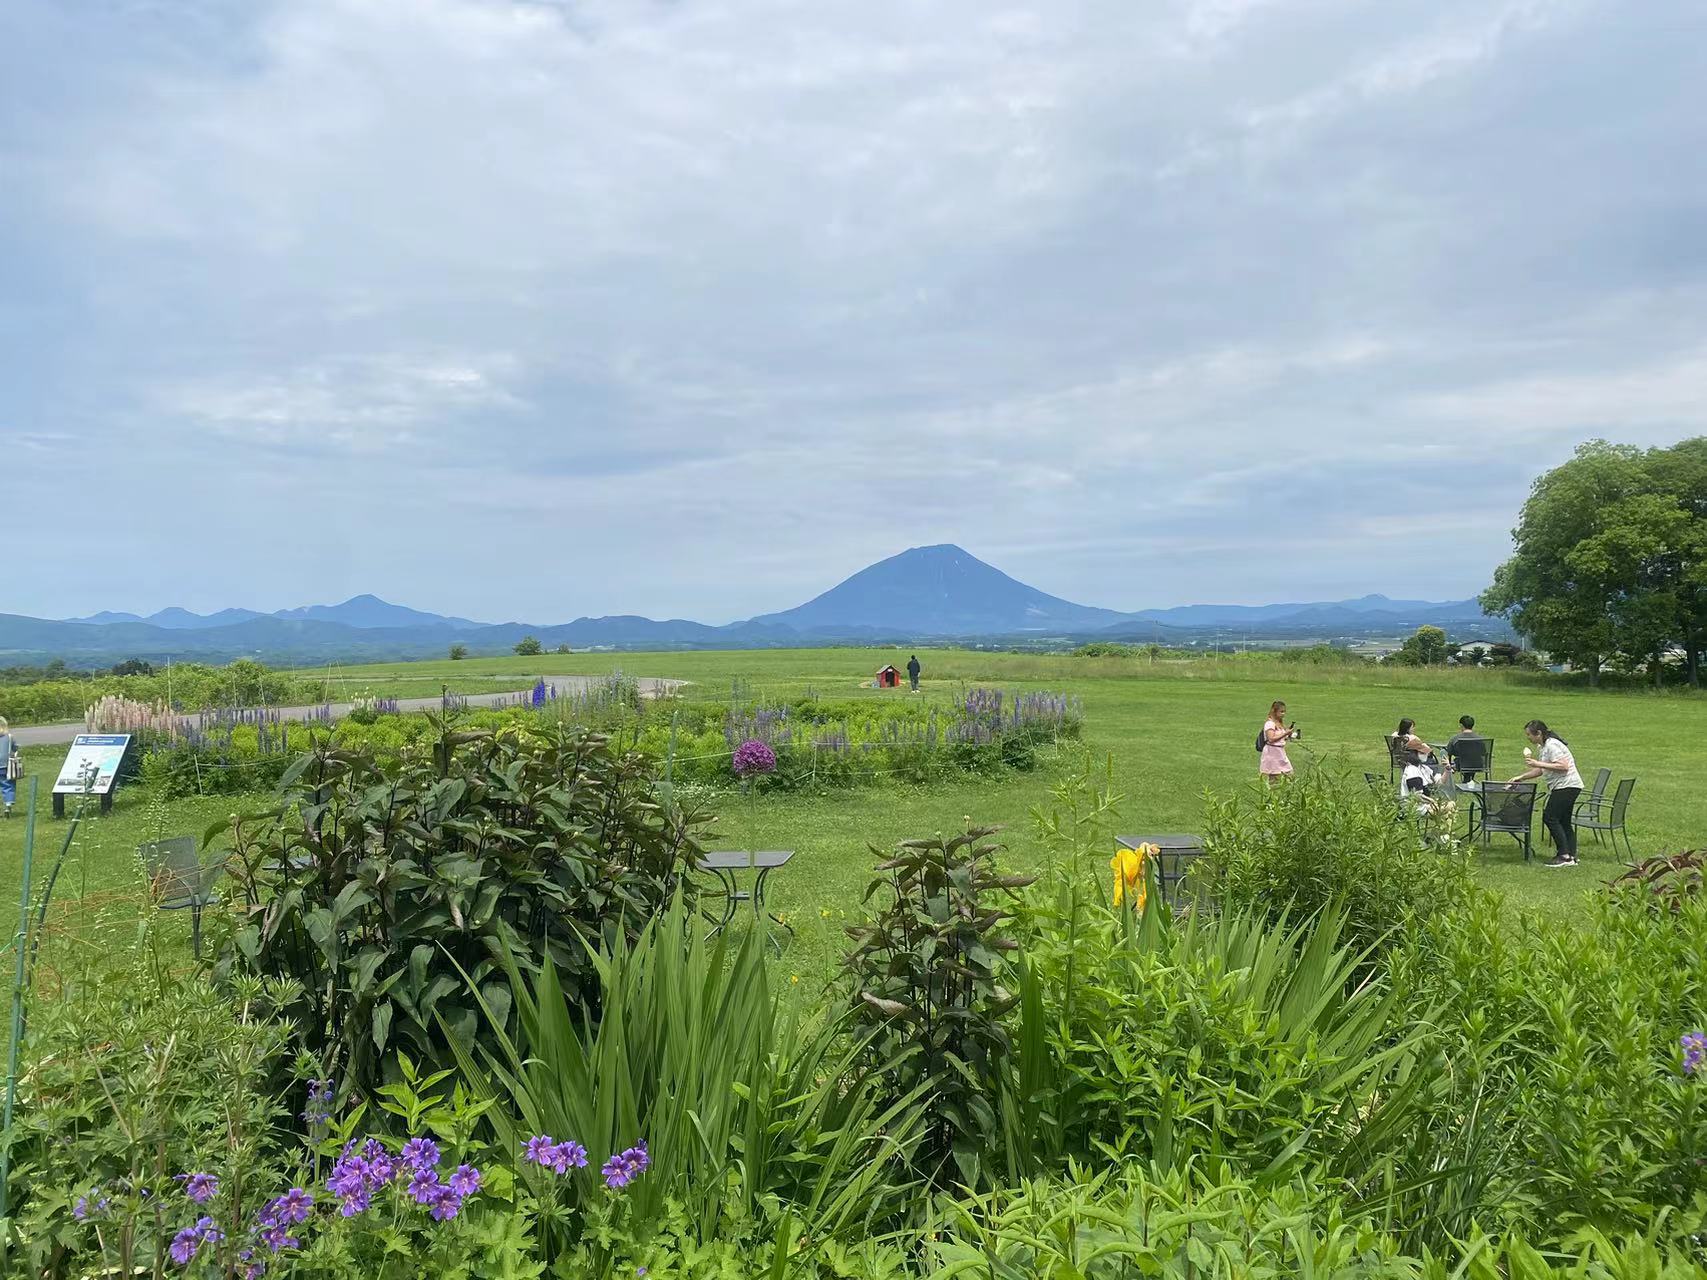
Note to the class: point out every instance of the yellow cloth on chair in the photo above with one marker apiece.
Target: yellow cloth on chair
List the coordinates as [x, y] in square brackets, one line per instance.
[1129, 866]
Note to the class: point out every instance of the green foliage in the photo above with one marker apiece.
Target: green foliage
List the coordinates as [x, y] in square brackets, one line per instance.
[1107, 649]
[1186, 1226]
[190, 686]
[1322, 840]
[1427, 648]
[529, 647]
[458, 652]
[742, 1108]
[1611, 558]
[391, 893]
[1566, 1057]
[926, 972]
[129, 1080]
[1321, 655]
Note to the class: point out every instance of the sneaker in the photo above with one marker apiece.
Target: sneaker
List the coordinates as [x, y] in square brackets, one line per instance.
[1560, 860]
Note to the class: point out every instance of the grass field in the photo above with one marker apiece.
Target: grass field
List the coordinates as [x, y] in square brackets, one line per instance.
[1171, 729]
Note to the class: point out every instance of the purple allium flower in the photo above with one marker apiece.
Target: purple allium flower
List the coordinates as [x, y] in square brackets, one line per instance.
[293, 1206]
[1695, 1053]
[624, 1167]
[465, 1181]
[752, 757]
[420, 1153]
[200, 1187]
[424, 1186]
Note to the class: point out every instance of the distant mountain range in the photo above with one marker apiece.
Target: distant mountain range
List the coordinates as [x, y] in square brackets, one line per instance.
[926, 594]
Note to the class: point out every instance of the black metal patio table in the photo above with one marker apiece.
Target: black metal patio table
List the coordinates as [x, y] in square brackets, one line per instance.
[727, 864]
[1174, 855]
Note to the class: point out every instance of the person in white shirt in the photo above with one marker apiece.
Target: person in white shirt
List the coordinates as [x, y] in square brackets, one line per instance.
[1564, 785]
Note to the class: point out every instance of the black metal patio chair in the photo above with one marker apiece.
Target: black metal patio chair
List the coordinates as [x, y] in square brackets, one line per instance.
[1395, 756]
[1591, 801]
[1508, 808]
[180, 881]
[1609, 817]
[1472, 758]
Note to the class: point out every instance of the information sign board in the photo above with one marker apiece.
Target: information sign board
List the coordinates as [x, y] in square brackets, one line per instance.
[92, 764]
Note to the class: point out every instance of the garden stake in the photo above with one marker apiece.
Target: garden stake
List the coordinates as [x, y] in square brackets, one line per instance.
[17, 1043]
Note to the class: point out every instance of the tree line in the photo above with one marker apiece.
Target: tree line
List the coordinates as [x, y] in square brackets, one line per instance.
[1610, 567]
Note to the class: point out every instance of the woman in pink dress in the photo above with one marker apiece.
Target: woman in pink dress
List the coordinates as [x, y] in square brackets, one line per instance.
[1272, 764]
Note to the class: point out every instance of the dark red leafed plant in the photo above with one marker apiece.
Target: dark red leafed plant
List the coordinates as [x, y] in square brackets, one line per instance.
[1668, 879]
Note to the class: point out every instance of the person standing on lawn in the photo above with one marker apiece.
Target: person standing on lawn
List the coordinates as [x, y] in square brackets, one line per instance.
[1564, 785]
[1272, 763]
[913, 671]
[11, 767]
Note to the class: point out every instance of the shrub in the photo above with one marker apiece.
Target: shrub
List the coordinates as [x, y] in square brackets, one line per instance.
[458, 652]
[926, 973]
[392, 895]
[1566, 1044]
[694, 1058]
[129, 1080]
[1296, 849]
[529, 647]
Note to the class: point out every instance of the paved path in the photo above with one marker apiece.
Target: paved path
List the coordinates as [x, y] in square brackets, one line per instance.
[48, 734]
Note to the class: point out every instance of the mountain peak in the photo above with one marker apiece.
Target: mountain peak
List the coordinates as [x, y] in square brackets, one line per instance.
[941, 590]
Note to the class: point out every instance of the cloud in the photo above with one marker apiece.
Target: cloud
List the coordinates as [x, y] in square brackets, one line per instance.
[701, 305]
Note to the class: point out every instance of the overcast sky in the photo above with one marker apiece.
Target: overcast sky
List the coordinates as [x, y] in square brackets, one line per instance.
[534, 310]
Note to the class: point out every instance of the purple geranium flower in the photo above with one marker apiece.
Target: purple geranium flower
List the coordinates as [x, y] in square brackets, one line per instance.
[568, 1155]
[293, 1206]
[752, 757]
[420, 1153]
[446, 1204]
[424, 1186]
[624, 1167]
[184, 1246]
[465, 1181]
[538, 1150]
[200, 1187]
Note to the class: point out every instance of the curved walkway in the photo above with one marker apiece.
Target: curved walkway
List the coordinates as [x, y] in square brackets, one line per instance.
[49, 734]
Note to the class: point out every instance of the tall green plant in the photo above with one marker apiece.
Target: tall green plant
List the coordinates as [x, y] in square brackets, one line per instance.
[1322, 841]
[395, 895]
[744, 1109]
[927, 972]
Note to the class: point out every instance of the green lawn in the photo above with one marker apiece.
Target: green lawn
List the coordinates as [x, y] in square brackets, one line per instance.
[1172, 730]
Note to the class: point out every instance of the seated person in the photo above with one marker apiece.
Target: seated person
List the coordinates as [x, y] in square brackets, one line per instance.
[1420, 763]
[1466, 733]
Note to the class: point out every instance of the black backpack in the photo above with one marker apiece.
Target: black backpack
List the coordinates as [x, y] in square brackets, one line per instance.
[1262, 737]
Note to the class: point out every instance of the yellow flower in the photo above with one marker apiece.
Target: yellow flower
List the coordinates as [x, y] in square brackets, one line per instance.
[1128, 867]
[794, 977]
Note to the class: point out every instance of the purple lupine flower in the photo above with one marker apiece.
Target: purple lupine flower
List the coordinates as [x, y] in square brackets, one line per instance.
[465, 1181]
[293, 1206]
[1695, 1053]
[753, 757]
[624, 1167]
[420, 1153]
[424, 1186]
[200, 1187]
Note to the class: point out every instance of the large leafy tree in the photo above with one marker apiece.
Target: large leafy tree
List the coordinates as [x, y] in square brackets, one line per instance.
[1611, 559]
[1565, 606]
